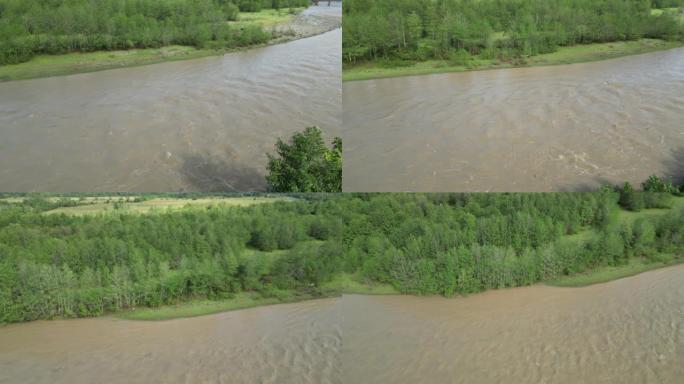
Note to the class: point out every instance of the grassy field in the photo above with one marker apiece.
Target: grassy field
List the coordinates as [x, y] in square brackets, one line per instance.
[564, 55]
[72, 63]
[267, 18]
[95, 207]
[207, 307]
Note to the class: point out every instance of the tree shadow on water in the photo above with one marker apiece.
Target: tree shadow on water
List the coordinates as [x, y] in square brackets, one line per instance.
[590, 185]
[212, 174]
[674, 168]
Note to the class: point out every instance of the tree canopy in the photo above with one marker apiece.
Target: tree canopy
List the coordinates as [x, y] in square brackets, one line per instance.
[32, 27]
[54, 265]
[488, 29]
[305, 164]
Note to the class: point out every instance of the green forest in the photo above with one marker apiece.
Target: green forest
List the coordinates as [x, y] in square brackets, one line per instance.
[33, 27]
[399, 31]
[58, 265]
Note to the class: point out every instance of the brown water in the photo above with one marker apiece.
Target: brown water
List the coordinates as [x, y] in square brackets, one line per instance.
[197, 125]
[276, 344]
[527, 129]
[626, 331]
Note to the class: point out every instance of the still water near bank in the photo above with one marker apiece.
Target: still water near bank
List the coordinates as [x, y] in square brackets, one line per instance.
[196, 125]
[627, 331]
[556, 128]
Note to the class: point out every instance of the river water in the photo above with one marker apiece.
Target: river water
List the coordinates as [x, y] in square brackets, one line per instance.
[196, 125]
[626, 331]
[556, 128]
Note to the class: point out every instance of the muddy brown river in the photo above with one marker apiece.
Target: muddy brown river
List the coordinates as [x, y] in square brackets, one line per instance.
[196, 125]
[626, 331]
[558, 128]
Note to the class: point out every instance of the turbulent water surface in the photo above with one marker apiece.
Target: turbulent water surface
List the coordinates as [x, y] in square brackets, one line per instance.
[626, 331]
[526, 129]
[197, 125]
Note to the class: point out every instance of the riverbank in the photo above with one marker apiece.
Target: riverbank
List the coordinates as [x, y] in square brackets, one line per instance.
[610, 273]
[564, 55]
[347, 285]
[284, 26]
[353, 284]
[253, 254]
[340, 285]
[634, 266]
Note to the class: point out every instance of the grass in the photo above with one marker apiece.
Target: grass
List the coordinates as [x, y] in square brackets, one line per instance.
[605, 274]
[676, 11]
[345, 283]
[95, 207]
[206, 307]
[623, 216]
[564, 55]
[72, 63]
[266, 18]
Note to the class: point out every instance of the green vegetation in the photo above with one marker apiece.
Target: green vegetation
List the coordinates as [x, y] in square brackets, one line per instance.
[341, 284]
[657, 193]
[385, 38]
[305, 164]
[46, 38]
[220, 257]
[609, 273]
[195, 308]
[564, 55]
[158, 205]
[70, 63]
[266, 18]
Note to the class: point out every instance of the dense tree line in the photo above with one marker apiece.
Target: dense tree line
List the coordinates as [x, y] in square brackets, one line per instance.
[31, 27]
[68, 266]
[493, 29]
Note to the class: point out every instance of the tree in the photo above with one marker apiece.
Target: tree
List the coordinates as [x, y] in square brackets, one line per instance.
[305, 164]
[658, 185]
[629, 198]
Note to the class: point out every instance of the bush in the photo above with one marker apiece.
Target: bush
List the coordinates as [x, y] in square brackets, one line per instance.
[460, 57]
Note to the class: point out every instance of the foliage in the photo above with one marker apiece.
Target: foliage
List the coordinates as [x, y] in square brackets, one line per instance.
[493, 29]
[32, 27]
[76, 266]
[659, 185]
[305, 164]
[657, 193]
